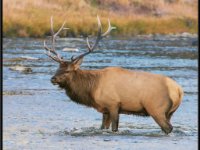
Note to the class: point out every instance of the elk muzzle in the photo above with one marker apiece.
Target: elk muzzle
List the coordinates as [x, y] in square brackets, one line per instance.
[54, 80]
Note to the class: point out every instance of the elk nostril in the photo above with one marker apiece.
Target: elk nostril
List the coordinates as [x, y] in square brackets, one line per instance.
[53, 79]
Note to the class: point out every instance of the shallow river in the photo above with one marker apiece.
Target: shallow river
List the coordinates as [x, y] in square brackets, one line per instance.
[38, 115]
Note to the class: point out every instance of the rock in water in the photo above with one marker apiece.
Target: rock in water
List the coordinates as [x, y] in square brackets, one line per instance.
[70, 49]
[194, 43]
[21, 69]
[29, 58]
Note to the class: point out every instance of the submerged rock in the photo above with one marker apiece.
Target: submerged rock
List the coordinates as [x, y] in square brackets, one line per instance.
[186, 34]
[21, 69]
[70, 49]
[21, 58]
[10, 93]
[194, 43]
[106, 140]
[29, 58]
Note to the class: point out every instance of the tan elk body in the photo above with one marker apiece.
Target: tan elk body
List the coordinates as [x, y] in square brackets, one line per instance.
[114, 90]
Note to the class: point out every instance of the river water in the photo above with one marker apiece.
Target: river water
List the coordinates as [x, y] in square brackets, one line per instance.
[38, 115]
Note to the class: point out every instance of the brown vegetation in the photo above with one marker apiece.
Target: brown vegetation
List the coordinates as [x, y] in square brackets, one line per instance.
[131, 17]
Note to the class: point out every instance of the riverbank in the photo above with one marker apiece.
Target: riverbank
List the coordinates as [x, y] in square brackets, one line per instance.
[131, 17]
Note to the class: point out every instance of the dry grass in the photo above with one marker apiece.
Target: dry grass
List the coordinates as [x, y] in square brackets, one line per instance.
[31, 18]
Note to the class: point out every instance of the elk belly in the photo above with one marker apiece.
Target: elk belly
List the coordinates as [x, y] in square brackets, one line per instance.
[131, 103]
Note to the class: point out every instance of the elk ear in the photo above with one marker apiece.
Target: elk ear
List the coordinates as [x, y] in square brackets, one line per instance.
[77, 63]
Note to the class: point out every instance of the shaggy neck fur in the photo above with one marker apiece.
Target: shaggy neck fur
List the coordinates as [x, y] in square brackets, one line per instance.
[81, 86]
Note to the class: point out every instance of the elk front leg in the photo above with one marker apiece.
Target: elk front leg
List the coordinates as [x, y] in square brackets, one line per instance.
[114, 115]
[106, 121]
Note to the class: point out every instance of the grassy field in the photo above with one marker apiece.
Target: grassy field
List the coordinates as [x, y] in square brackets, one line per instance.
[30, 18]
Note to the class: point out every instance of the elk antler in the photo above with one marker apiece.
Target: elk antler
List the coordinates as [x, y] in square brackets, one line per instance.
[100, 35]
[52, 50]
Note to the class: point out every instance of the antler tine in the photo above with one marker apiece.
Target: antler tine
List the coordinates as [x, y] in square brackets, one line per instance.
[99, 34]
[60, 29]
[54, 35]
[48, 49]
[52, 32]
[99, 37]
[57, 57]
[110, 28]
[88, 44]
[48, 53]
[53, 57]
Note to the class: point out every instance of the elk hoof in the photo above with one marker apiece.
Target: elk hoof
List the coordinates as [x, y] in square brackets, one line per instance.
[114, 130]
[168, 130]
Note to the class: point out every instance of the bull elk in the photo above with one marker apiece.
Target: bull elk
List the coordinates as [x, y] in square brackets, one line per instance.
[114, 90]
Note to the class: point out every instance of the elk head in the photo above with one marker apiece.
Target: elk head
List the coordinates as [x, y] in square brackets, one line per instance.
[66, 67]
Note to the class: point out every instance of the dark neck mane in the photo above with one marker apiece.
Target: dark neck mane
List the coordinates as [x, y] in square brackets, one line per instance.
[81, 86]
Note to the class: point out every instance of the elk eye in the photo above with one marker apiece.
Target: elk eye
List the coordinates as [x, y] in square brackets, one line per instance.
[67, 71]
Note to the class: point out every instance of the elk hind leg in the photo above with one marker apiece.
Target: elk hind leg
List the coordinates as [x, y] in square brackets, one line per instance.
[169, 115]
[163, 122]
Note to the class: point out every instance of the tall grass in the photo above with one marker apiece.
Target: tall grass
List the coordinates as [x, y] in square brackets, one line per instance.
[131, 17]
